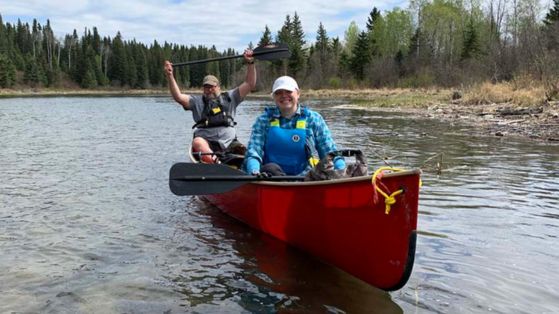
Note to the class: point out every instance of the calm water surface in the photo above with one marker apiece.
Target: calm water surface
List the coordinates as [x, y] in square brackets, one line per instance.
[88, 224]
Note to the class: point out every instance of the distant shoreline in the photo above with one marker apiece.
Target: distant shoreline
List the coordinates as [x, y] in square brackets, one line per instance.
[45, 92]
[494, 112]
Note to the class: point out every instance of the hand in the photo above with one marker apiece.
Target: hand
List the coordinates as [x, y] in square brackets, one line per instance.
[168, 68]
[264, 175]
[248, 55]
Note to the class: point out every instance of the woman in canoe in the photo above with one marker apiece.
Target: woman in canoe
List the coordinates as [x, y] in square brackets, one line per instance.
[288, 138]
[213, 111]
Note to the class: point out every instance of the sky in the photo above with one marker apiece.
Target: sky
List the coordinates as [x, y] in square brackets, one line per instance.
[220, 23]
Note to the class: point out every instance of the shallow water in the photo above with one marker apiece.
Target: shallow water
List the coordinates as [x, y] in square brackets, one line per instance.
[88, 224]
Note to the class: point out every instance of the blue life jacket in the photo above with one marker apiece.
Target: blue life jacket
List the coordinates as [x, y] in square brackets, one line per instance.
[290, 148]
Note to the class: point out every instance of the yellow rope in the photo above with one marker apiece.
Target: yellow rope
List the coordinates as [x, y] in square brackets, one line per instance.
[389, 200]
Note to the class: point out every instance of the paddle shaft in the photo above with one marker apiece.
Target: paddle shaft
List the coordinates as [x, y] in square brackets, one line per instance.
[280, 51]
[238, 178]
[220, 154]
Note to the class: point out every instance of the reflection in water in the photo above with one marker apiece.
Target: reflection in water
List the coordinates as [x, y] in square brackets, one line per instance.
[88, 225]
[278, 278]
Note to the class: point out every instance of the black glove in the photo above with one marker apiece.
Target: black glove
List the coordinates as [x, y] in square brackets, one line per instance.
[264, 175]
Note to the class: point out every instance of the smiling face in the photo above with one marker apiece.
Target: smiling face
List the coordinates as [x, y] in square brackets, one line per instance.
[287, 101]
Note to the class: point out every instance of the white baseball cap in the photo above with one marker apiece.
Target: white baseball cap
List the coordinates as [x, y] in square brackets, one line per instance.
[285, 82]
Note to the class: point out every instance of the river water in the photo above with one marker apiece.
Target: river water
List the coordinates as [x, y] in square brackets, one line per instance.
[88, 224]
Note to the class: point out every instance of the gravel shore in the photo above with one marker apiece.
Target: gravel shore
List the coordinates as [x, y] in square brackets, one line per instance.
[539, 123]
[536, 122]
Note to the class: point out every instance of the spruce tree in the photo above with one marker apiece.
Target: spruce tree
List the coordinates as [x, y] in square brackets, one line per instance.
[22, 39]
[88, 79]
[322, 40]
[373, 16]
[551, 27]
[90, 59]
[372, 27]
[197, 71]
[266, 38]
[131, 73]
[298, 56]
[33, 74]
[213, 67]
[361, 56]
[470, 47]
[3, 37]
[81, 61]
[553, 15]
[156, 59]
[225, 69]
[284, 35]
[7, 72]
[322, 47]
[118, 64]
[142, 78]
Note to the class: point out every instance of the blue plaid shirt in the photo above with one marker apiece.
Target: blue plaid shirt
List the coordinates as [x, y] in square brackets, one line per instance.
[317, 131]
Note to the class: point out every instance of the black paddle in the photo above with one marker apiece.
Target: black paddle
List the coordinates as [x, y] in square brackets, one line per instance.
[202, 179]
[270, 52]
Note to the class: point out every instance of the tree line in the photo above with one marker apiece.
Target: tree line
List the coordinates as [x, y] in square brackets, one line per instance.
[431, 43]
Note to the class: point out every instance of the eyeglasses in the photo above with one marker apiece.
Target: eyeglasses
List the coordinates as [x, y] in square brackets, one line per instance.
[208, 86]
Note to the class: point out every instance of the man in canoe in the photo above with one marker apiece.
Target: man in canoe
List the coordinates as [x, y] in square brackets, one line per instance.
[288, 138]
[213, 111]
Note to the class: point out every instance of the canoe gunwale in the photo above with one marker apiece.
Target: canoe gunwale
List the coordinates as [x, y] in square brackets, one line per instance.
[338, 181]
[324, 182]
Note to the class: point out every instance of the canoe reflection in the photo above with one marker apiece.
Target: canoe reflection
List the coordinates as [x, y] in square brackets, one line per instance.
[307, 284]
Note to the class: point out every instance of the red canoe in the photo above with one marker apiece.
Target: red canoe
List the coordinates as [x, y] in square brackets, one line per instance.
[343, 222]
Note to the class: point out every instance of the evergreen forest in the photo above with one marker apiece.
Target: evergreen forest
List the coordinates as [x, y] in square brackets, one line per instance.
[442, 43]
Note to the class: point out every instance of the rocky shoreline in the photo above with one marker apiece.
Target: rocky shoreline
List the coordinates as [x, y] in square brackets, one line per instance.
[505, 120]
[536, 122]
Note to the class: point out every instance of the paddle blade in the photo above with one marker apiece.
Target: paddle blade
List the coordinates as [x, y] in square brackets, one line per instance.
[203, 179]
[199, 179]
[272, 52]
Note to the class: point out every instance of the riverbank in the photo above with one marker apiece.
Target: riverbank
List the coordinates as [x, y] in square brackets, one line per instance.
[499, 110]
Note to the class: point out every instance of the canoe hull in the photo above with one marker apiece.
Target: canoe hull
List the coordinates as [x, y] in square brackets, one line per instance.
[342, 222]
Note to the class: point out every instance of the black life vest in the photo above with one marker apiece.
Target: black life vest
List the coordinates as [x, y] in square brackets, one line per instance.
[213, 114]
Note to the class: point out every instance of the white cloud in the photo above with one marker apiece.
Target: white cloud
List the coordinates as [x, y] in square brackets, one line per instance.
[225, 24]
